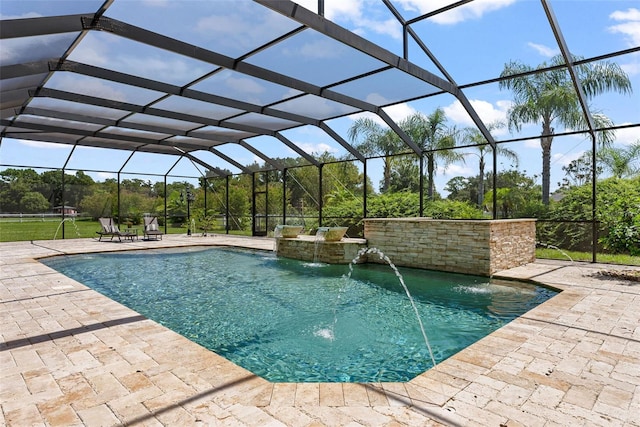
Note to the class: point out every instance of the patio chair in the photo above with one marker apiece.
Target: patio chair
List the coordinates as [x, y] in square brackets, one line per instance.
[151, 228]
[109, 228]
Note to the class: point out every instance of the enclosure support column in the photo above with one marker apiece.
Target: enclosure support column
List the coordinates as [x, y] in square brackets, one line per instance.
[421, 185]
[364, 190]
[205, 185]
[120, 171]
[494, 184]
[165, 204]
[320, 194]
[226, 221]
[284, 195]
[64, 167]
[266, 200]
[62, 193]
[594, 219]
[118, 194]
[253, 203]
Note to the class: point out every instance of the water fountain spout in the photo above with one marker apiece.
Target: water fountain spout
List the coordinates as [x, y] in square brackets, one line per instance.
[386, 259]
[320, 234]
[545, 245]
[75, 226]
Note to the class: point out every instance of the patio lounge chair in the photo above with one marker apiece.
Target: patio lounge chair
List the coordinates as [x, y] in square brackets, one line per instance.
[151, 228]
[109, 228]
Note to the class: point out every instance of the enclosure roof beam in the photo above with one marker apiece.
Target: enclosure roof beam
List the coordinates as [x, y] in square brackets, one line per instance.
[167, 43]
[330, 29]
[407, 140]
[183, 145]
[194, 159]
[260, 154]
[342, 142]
[65, 130]
[41, 112]
[230, 160]
[26, 69]
[163, 42]
[297, 149]
[569, 61]
[312, 20]
[42, 26]
[101, 73]
[62, 115]
[134, 108]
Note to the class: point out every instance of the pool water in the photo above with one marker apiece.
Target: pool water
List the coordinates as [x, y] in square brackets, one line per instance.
[291, 321]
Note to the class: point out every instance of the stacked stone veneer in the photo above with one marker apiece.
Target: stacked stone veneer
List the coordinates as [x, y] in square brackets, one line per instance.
[306, 248]
[480, 247]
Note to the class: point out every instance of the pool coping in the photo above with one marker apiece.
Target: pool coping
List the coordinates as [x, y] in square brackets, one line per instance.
[71, 356]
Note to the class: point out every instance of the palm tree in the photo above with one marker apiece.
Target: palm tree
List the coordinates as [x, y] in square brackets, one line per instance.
[436, 139]
[621, 162]
[549, 96]
[378, 140]
[482, 148]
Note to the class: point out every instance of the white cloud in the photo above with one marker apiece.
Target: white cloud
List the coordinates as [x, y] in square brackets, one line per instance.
[376, 99]
[632, 68]
[487, 112]
[27, 49]
[101, 176]
[164, 69]
[399, 112]
[532, 143]
[565, 158]
[43, 145]
[390, 27]
[351, 12]
[69, 82]
[627, 136]
[473, 10]
[350, 9]
[543, 50]
[23, 16]
[94, 50]
[156, 3]
[629, 25]
[316, 148]
[244, 85]
[318, 49]
[312, 5]
[105, 51]
[632, 14]
[630, 29]
[235, 27]
[455, 169]
[335, 9]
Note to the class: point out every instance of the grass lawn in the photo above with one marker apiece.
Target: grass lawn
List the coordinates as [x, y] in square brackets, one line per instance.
[12, 231]
[545, 253]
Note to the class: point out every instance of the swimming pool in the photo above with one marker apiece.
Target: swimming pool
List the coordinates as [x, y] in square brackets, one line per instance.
[290, 321]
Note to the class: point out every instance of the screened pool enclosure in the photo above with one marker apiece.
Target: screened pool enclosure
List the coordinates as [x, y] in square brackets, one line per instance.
[236, 116]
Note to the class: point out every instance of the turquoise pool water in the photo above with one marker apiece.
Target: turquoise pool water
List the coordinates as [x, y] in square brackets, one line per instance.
[290, 321]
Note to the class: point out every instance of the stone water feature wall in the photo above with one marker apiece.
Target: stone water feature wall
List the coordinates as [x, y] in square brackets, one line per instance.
[306, 248]
[480, 247]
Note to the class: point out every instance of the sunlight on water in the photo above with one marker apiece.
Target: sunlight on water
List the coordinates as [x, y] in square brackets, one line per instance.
[325, 333]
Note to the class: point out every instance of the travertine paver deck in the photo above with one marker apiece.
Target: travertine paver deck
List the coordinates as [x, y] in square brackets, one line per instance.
[70, 356]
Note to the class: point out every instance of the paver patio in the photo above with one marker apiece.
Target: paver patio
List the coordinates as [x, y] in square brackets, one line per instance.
[70, 356]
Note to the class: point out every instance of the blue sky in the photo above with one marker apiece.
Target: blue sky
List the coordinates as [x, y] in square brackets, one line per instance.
[472, 42]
